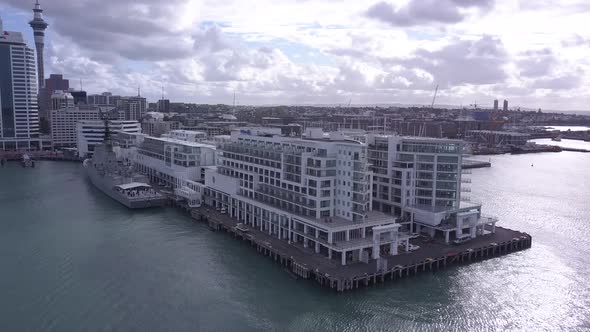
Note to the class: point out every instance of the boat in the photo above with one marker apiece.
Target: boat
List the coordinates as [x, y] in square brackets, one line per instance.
[556, 139]
[27, 161]
[118, 180]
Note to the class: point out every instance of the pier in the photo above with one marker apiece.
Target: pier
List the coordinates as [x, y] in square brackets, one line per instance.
[306, 264]
[470, 163]
[574, 150]
[40, 155]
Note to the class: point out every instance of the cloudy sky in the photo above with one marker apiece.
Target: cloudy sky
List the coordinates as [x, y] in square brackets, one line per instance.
[533, 53]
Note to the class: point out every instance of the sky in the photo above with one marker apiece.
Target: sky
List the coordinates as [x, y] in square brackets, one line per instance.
[536, 54]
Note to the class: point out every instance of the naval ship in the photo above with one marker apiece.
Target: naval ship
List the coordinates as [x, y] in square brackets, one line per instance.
[119, 180]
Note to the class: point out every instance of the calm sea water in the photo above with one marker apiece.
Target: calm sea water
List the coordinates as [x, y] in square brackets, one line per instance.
[566, 128]
[73, 260]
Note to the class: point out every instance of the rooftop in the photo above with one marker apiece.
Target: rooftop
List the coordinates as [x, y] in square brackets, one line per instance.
[422, 139]
[133, 185]
[11, 37]
[181, 142]
[512, 133]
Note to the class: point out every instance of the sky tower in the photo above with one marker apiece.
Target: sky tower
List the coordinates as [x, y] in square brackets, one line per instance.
[39, 25]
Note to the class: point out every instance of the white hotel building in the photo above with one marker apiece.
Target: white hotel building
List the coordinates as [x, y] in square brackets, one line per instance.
[174, 163]
[313, 191]
[344, 199]
[421, 180]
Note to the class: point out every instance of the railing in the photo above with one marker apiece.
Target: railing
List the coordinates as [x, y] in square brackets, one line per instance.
[360, 199]
[488, 219]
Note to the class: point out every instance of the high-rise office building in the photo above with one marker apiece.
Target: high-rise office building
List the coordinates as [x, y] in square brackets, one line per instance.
[64, 121]
[80, 97]
[164, 105]
[496, 105]
[39, 25]
[19, 118]
[134, 107]
[61, 99]
[505, 108]
[54, 83]
[103, 99]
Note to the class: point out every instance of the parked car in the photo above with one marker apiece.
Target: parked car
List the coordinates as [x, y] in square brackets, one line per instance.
[462, 239]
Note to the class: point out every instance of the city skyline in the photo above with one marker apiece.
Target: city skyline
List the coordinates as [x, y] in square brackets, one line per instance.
[289, 52]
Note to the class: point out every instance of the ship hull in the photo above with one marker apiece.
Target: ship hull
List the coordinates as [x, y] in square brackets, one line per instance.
[106, 185]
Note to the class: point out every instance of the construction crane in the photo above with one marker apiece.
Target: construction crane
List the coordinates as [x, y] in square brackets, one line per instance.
[422, 131]
[434, 98]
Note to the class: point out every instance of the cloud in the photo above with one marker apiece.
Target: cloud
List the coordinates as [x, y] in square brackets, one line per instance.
[575, 41]
[320, 51]
[562, 82]
[137, 31]
[461, 62]
[537, 63]
[422, 12]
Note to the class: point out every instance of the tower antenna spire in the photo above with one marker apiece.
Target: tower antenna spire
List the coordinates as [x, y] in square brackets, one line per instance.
[39, 25]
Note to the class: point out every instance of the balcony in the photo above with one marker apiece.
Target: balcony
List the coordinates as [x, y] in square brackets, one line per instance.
[362, 189]
[360, 199]
[359, 166]
[359, 177]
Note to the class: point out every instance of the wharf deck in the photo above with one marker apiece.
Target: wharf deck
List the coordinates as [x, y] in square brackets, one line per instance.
[469, 163]
[307, 264]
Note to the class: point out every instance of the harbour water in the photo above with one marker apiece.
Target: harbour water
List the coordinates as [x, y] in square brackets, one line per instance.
[73, 259]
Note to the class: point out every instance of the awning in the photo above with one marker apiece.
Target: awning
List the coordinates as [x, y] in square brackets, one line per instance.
[133, 185]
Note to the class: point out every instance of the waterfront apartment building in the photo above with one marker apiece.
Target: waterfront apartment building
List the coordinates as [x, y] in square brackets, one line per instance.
[64, 122]
[421, 180]
[313, 191]
[90, 133]
[177, 164]
[19, 118]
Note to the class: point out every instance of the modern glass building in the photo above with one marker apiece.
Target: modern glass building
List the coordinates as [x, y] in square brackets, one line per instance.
[19, 118]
